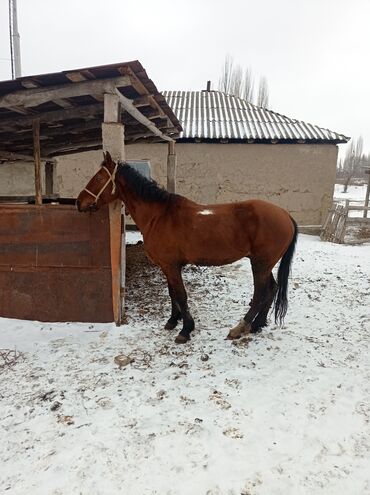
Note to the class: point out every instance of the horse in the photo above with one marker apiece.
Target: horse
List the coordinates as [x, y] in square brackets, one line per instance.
[177, 231]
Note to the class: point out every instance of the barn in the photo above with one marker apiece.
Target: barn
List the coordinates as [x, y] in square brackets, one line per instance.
[230, 150]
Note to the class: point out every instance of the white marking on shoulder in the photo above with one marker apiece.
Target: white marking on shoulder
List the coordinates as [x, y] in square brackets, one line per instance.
[205, 212]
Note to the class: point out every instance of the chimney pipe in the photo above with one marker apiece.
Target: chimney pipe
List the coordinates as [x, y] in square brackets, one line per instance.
[208, 86]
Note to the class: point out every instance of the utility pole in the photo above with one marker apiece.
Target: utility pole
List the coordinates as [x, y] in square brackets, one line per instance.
[15, 46]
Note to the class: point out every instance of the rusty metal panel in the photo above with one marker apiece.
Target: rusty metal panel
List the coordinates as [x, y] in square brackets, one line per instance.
[53, 235]
[55, 264]
[56, 294]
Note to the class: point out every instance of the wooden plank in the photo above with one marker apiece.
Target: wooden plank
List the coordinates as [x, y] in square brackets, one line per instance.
[359, 208]
[81, 112]
[123, 262]
[134, 112]
[115, 256]
[12, 157]
[37, 156]
[37, 96]
[31, 83]
[72, 147]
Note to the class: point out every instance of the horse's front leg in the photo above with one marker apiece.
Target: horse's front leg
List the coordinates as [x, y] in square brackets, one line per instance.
[174, 278]
[175, 311]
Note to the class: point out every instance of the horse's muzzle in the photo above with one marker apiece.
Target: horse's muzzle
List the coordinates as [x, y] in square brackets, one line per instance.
[92, 207]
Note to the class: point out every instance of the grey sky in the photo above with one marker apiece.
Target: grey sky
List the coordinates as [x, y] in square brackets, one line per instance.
[314, 53]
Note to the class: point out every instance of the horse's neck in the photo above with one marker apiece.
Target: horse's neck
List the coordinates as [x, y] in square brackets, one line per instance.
[141, 211]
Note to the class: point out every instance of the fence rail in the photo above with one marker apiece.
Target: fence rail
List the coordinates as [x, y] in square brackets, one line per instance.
[338, 220]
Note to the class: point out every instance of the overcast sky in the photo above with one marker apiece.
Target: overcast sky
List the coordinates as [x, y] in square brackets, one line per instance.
[314, 53]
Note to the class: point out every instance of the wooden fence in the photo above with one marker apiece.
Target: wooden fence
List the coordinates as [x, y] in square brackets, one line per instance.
[339, 220]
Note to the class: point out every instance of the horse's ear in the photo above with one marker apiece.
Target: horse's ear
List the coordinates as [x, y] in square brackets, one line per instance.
[104, 156]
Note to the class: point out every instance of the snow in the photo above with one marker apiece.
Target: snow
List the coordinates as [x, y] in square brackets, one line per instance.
[354, 193]
[284, 412]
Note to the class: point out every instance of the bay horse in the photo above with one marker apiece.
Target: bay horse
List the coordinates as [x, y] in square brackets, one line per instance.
[178, 231]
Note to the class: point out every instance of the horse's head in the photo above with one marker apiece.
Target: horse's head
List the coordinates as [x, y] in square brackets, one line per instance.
[101, 189]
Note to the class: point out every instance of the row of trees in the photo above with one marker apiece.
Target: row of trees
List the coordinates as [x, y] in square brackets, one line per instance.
[352, 165]
[239, 82]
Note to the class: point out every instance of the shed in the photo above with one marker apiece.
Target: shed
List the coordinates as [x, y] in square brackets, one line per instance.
[55, 263]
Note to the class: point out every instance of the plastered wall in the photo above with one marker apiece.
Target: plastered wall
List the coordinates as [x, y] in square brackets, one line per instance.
[17, 179]
[298, 177]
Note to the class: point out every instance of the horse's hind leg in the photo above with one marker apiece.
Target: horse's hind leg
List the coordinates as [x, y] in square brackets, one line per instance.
[175, 311]
[261, 277]
[174, 278]
[260, 320]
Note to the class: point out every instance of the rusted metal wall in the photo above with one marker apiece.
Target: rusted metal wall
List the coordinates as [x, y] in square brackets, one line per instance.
[55, 264]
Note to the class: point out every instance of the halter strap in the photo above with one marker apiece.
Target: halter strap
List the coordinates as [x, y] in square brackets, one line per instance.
[112, 179]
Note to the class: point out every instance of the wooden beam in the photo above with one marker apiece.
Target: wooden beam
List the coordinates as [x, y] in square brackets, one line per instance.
[134, 112]
[143, 101]
[31, 84]
[37, 96]
[64, 149]
[37, 155]
[85, 111]
[81, 76]
[140, 88]
[12, 157]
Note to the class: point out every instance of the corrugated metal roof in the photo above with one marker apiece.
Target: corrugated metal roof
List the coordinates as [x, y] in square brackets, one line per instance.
[213, 115]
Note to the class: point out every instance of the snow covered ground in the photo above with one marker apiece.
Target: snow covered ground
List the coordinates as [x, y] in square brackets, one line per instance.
[354, 193]
[284, 412]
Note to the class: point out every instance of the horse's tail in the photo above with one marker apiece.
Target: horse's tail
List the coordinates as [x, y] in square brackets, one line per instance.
[281, 299]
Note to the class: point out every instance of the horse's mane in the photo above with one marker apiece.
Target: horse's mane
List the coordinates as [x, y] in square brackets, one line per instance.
[146, 189]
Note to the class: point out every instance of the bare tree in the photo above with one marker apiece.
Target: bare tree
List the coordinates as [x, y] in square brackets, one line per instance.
[263, 93]
[248, 85]
[226, 74]
[238, 82]
[352, 163]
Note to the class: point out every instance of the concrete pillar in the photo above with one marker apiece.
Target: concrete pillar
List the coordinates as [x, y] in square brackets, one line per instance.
[114, 142]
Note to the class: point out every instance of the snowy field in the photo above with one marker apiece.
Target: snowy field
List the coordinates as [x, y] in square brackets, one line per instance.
[284, 412]
[354, 193]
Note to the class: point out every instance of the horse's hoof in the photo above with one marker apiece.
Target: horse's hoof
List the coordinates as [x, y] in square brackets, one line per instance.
[242, 328]
[256, 330]
[181, 339]
[170, 325]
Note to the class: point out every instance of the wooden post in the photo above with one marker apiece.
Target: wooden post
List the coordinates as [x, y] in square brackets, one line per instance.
[367, 193]
[37, 158]
[171, 167]
[113, 141]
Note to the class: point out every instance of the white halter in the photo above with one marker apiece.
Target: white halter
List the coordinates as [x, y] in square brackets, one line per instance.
[112, 179]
